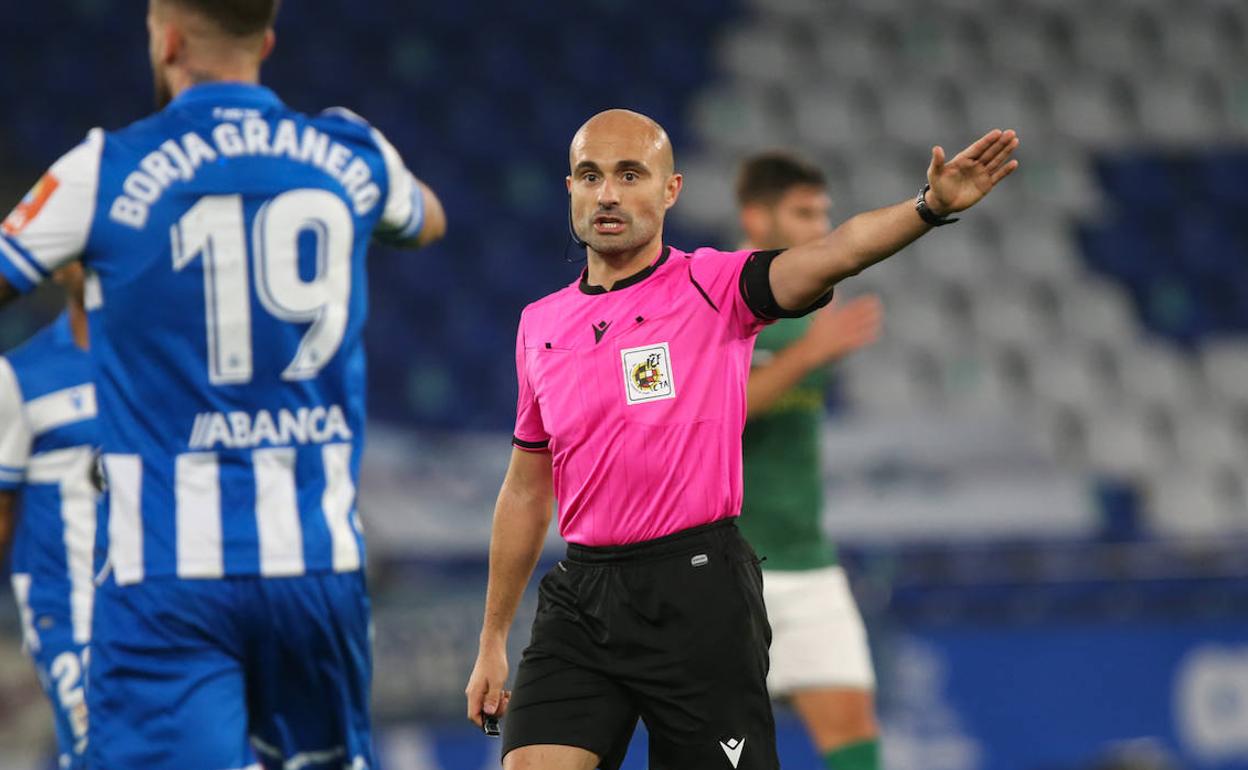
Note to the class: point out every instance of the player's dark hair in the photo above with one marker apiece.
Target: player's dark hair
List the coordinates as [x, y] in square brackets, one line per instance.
[766, 177]
[240, 18]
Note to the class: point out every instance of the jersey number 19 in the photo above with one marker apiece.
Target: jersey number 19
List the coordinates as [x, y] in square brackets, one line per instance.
[215, 228]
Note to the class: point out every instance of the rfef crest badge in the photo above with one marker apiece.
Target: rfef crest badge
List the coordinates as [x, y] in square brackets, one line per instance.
[648, 373]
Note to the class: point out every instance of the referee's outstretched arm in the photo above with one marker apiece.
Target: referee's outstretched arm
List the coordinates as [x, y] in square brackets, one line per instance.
[521, 518]
[802, 275]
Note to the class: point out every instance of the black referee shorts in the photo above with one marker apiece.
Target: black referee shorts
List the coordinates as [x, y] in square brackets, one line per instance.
[672, 631]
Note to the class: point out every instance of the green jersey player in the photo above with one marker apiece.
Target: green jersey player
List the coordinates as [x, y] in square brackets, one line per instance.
[820, 661]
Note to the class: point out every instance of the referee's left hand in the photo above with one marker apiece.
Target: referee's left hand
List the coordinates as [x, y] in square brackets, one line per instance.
[485, 687]
[965, 179]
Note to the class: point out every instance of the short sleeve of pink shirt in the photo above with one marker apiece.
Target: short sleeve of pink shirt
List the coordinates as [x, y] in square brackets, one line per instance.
[530, 433]
[718, 275]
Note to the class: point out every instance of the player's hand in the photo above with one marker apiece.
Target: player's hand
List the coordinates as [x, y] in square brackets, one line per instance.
[840, 329]
[971, 174]
[485, 687]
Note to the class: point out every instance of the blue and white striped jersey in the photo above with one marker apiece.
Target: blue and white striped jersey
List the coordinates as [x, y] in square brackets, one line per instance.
[47, 452]
[224, 240]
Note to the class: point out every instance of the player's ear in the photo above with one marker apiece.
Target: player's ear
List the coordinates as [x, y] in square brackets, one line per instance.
[170, 42]
[270, 40]
[568, 180]
[675, 183]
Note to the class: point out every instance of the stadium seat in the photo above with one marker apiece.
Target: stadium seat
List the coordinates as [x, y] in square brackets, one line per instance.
[1224, 364]
[1193, 503]
[1155, 375]
[1013, 315]
[1212, 439]
[1096, 311]
[1127, 444]
[1094, 113]
[738, 119]
[890, 380]
[1076, 377]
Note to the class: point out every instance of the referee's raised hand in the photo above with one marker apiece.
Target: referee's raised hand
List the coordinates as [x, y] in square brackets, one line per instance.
[965, 179]
[486, 696]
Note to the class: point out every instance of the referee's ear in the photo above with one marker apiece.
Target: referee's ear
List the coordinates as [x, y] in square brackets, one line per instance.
[671, 191]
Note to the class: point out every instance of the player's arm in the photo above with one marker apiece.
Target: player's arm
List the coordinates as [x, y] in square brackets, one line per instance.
[521, 518]
[834, 333]
[15, 439]
[8, 522]
[7, 292]
[801, 275]
[50, 226]
[413, 216]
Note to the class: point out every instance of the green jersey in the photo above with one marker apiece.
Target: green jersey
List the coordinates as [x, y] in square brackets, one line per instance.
[783, 479]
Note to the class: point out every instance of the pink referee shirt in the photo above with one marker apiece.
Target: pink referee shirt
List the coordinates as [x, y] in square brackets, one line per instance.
[639, 395]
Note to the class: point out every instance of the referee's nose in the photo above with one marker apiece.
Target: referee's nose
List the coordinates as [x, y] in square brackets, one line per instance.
[608, 194]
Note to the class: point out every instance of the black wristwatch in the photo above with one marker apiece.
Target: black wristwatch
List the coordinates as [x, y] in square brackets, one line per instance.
[926, 214]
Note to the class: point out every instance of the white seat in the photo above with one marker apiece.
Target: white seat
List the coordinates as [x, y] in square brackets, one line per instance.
[920, 115]
[706, 201]
[938, 46]
[1210, 439]
[1058, 178]
[884, 181]
[1197, 35]
[1041, 248]
[1153, 374]
[1234, 92]
[1094, 113]
[1126, 444]
[738, 119]
[1225, 368]
[1060, 432]
[1072, 377]
[787, 9]
[1008, 103]
[833, 117]
[1115, 41]
[1098, 311]
[975, 380]
[924, 320]
[1179, 110]
[853, 48]
[1011, 315]
[1026, 48]
[888, 380]
[965, 253]
[763, 54]
[1193, 503]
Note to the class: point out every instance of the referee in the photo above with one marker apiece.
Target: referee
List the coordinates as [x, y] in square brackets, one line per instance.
[632, 399]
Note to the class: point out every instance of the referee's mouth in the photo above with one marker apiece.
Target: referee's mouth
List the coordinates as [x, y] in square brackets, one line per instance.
[609, 224]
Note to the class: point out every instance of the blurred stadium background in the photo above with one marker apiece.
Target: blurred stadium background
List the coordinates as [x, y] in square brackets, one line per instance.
[1040, 474]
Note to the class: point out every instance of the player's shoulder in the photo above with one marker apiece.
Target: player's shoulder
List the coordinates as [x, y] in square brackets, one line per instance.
[41, 354]
[346, 123]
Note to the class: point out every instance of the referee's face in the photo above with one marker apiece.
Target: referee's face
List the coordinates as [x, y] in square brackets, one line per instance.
[622, 183]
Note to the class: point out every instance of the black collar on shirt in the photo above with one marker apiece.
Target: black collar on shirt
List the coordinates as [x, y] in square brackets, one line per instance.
[623, 283]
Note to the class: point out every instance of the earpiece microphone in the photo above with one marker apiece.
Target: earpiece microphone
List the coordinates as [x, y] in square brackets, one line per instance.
[572, 227]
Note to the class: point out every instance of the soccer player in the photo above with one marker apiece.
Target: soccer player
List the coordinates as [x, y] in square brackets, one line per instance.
[48, 504]
[632, 399]
[820, 661]
[224, 239]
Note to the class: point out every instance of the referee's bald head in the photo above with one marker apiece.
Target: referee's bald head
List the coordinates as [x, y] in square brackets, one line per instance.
[625, 130]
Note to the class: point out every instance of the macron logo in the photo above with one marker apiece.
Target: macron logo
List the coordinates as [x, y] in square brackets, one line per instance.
[732, 747]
